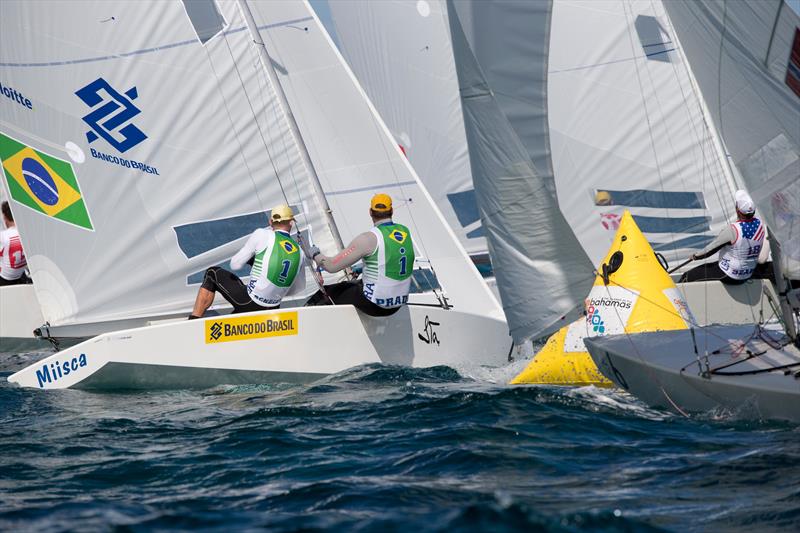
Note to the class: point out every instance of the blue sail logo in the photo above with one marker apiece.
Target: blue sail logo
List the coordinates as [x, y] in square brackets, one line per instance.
[111, 114]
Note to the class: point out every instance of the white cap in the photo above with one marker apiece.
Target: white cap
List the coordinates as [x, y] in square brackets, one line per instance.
[744, 203]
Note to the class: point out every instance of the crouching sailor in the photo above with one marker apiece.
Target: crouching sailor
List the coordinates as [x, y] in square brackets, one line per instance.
[741, 247]
[277, 270]
[388, 254]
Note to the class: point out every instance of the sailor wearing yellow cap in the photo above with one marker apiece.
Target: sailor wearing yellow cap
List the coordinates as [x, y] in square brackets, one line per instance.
[277, 270]
[388, 254]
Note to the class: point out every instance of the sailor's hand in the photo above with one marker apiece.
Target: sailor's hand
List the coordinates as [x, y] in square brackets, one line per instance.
[693, 257]
[314, 251]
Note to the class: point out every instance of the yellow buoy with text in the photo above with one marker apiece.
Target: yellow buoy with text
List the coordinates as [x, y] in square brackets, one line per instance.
[632, 293]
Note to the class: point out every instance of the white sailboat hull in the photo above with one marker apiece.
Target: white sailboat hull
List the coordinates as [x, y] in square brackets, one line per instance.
[292, 345]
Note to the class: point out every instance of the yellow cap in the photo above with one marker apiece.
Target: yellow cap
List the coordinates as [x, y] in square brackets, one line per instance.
[381, 203]
[602, 198]
[281, 213]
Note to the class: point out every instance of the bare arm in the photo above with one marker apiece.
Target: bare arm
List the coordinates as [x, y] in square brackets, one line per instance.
[361, 246]
[725, 237]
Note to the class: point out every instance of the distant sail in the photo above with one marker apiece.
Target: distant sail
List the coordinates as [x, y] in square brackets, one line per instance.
[746, 58]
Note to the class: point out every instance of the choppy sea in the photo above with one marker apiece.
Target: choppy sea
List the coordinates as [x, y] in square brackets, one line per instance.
[380, 448]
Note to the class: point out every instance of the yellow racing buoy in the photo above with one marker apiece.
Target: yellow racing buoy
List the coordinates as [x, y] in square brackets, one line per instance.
[632, 293]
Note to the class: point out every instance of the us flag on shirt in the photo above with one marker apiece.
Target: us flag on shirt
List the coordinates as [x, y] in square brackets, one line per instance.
[753, 229]
[793, 67]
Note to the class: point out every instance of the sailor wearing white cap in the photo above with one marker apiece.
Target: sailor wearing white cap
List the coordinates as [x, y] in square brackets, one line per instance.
[741, 246]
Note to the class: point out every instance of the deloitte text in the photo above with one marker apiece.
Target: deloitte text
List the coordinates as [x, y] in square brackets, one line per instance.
[16, 96]
[121, 161]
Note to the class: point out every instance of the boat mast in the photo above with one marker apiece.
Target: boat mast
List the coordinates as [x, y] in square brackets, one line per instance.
[266, 62]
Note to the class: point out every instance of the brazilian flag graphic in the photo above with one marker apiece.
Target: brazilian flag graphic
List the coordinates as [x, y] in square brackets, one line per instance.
[289, 247]
[42, 182]
[399, 236]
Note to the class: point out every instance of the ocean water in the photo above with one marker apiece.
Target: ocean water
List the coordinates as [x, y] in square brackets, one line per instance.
[380, 448]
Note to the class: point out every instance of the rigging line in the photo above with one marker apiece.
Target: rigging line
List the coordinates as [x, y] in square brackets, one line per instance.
[702, 142]
[264, 87]
[652, 375]
[644, 104]
[258, 127]
[266, 148]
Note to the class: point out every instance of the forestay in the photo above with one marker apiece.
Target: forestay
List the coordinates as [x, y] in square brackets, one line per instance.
[746, 58]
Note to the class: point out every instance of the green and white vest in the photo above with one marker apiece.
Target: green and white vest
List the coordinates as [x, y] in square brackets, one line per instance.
[274, 269]
[387, 270]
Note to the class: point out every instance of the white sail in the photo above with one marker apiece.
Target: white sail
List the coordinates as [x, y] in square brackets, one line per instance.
[167, 147]
[163, 143]
[746, 58]
[411, 78]
[621, 116]
[542, 273]
[356, 156]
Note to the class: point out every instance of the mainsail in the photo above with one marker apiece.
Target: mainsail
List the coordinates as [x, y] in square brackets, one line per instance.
[746, 58]
[154, 144]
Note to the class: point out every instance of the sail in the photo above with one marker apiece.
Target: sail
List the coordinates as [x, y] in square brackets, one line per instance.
[144, 147]
[410, 76]
[539, 281]
[542, 272]
[746, 58]
[355, 155]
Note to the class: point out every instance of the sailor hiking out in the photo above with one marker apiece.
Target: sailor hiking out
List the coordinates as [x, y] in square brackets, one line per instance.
[277, 265]
[387, 251]
[742, 248]
[12, 257]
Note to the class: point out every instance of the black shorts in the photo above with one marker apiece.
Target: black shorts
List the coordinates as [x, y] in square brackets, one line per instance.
[350, 293]
[712, 272]
[232, 289]
[23, 279]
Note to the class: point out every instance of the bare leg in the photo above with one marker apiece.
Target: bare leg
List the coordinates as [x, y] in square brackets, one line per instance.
[204, 300]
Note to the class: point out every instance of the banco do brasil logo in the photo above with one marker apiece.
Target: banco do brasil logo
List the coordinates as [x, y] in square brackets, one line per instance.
[111, 114]
[216, 330]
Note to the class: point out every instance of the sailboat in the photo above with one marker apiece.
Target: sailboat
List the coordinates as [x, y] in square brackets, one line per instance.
[598, 94]
[746, 56]
[176, 125]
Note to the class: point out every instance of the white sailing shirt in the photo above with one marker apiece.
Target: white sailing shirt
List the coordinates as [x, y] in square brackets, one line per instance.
[738, 260]
[12, 257]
